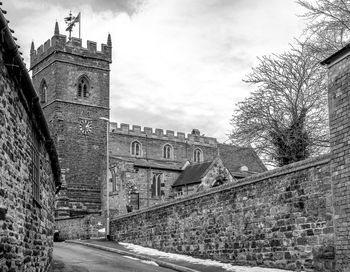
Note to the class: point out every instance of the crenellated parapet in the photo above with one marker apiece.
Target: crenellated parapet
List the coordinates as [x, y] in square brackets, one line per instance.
[59, 43]
[167, 135]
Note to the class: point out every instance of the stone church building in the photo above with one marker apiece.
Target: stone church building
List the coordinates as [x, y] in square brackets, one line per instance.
[146, 166]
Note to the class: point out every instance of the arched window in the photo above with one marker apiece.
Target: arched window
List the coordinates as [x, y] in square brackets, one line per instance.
[83, 87]
[219, 181]
[136, 148]
[156, 185]
[43, 92]
[114, 179]
[167, 151]
[197, 155]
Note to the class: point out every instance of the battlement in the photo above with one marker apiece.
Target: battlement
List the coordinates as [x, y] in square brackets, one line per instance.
[168, 135]
[59, 43]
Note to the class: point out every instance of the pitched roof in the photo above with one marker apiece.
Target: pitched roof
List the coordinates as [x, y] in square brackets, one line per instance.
[157, 164]
[234, 157]
[192, 174]
[20, 72]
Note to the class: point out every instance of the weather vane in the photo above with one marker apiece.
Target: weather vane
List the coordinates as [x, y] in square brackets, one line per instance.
[71, 21]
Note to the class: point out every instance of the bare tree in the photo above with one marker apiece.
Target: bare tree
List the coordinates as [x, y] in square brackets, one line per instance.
[328, 25]
[285, 119]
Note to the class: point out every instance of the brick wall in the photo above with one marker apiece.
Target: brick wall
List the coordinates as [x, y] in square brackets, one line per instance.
[26, 228]
[339, 116]
[282, 218]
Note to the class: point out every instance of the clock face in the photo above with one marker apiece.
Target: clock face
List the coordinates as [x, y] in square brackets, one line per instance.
[85, 127]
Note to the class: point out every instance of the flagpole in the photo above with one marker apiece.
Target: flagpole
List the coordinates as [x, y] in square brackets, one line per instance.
[79, 23]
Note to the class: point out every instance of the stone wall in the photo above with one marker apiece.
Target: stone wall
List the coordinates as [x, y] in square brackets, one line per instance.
[26, 225]
[128, 178]
[339, 116]
[152, 145]
[80, 227]
[281, 218]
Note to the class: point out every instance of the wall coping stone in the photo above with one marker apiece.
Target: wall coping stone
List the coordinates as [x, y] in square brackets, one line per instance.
[287, 169]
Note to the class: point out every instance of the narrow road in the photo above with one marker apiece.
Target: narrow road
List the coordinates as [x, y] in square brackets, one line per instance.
[76, 258]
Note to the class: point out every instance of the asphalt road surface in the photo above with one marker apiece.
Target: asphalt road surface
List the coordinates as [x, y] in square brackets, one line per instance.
[76, 258]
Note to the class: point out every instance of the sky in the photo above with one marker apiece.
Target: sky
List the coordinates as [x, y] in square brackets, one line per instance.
[177, 64]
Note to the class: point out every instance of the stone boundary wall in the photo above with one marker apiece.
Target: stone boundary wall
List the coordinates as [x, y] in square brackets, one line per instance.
[80, 227]
[281, 218]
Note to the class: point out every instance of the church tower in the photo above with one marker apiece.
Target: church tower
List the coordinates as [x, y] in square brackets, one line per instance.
[73, 86]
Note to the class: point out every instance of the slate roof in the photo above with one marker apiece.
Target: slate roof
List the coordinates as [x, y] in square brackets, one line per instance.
[234, 157]
[155, 164]
[192, 174]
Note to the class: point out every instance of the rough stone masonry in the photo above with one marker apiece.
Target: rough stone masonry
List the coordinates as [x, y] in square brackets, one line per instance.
[29, 171]
[339, 120]
[282, 218]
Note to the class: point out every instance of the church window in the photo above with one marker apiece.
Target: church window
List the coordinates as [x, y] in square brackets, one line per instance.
[157, 184]
[43, 91]
[167, 151]
[219, 181]
[34, 173]
[83, 87]
[136, 148]
[197, 155]
[114, 180]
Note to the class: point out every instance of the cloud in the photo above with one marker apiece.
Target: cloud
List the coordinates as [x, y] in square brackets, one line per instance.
[130, 7]
[177, 64]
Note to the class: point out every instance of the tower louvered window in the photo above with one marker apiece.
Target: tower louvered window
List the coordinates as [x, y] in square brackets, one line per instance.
[43, 92]
[83, 87]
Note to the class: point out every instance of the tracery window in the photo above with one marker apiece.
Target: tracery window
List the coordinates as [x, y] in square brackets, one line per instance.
[197, 155]
[136, 148]
[157, 184]
[167, 151]
[43, 92]
[83, 87]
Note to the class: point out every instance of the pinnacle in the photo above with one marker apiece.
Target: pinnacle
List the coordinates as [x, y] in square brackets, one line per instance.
[57, 30]
[109, 40]
[32, 48]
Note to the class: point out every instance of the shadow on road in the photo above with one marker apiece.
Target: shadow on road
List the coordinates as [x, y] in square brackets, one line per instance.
[59, 266]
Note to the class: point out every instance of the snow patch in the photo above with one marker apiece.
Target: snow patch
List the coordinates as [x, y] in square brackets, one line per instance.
[179, 257]
[149, 262]
[142, 261]
[132, 258]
